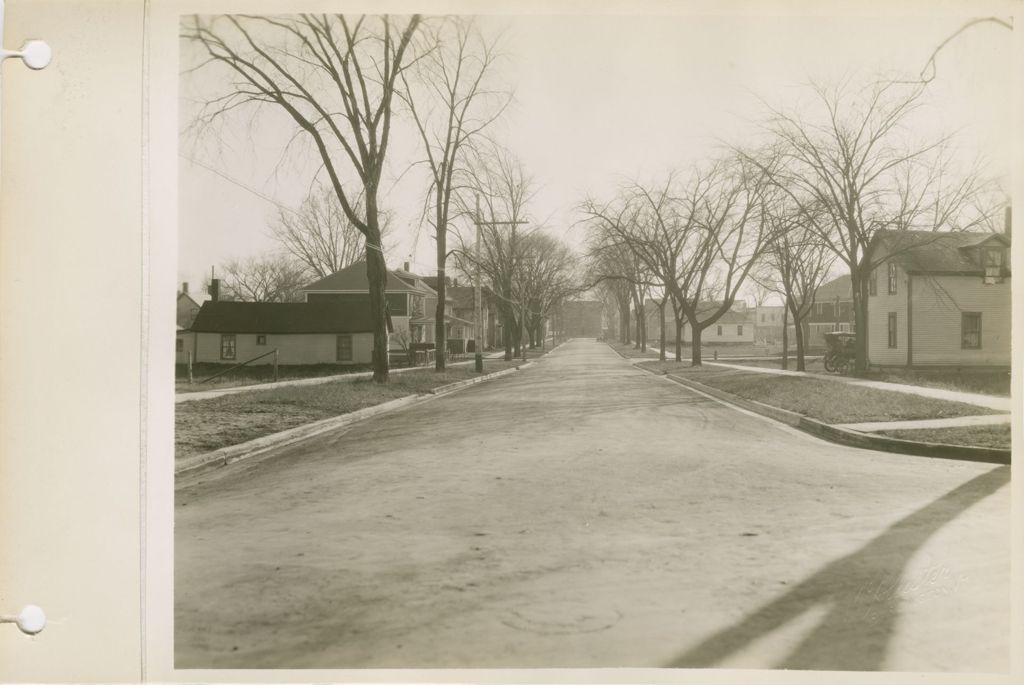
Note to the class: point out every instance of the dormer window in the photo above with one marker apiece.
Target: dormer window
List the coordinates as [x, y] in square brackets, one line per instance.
[993, 260]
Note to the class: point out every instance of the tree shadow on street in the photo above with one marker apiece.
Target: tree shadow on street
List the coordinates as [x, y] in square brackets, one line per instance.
[860, 593]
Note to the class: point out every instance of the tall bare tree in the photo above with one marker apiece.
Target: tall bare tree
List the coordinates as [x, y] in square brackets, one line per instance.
[797, 262]
[320, 234]
[336, 78]
[451, 103]
[265, 278]
[851, 153]
[504, 188]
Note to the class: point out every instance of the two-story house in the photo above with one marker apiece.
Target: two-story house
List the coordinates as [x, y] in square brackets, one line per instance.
[939, 299]
[768, 320]
[832, 311]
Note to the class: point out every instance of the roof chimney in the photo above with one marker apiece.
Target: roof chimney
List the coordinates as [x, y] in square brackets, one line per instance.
[406, 267]
[184, 288]
[215, 289]
[1008, 221]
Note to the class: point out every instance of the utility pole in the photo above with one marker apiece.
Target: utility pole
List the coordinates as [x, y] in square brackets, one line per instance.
[477, 297]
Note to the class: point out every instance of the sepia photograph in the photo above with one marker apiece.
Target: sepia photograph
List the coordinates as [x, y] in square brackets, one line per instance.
[593, 340]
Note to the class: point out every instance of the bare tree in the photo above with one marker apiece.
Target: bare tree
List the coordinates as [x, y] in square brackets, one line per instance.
[797, 260]
[851, 154]
[451, 103]
[335, 77]
[320, 234]
[548, 275]
[266, 278]
[504, 188]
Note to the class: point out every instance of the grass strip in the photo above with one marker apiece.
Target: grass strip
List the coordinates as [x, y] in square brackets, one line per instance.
[205, 425]
[821, 399]
[996, 436]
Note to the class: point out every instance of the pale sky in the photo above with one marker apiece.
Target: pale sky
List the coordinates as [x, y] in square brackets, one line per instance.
[599, 98]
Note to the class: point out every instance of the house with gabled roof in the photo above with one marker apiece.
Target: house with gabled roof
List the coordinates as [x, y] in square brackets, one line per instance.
[939, 299]
[736, 325]
[324, 332]
[187, 307]
[410, 299]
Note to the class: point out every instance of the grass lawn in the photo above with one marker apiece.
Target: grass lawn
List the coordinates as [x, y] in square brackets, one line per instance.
[821, 399]
[708, 351]
[254, 375]
[997, 436]
[627, 350]
[994, 382]
[205, 425]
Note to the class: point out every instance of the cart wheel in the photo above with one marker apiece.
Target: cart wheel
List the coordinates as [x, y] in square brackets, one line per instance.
[828, 365]
[843, 367]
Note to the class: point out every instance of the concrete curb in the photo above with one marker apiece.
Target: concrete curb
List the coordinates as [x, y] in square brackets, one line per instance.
[848, 437]
[229, 455]
[451, 387]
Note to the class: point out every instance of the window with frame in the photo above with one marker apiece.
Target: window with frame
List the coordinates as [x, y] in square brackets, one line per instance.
[892, 278]
[970, 330]
[180, 345]
[892, 329]
[739, 329]
[344, 348]
[992, 260]
[227, 346]
[719, 331]
[873, 283]
[261, 340]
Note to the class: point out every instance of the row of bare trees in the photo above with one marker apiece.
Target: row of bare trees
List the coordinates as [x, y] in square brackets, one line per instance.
[342, 81]
[526, 269]
[816, 188]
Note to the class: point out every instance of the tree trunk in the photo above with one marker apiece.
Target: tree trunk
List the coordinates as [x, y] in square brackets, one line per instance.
[624, 315]
[800, 337]
[695, 338]
[440, 330]
[859, 286]
[679, 335]
[661, 325]
[785, 337]
[507, 336]
[636, 342]
[377, 277]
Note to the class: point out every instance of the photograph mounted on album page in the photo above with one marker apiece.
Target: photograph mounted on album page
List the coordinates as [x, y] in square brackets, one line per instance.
[516, 342]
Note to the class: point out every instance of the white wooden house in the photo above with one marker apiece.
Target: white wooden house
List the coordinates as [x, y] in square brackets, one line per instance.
[411, 302]
[302, 333]
[939, 299]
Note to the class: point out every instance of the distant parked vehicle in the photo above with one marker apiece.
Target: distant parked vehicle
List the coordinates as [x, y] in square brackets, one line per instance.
[840, 351]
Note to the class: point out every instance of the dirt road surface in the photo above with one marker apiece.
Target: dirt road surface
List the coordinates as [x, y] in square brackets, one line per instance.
[583, 513]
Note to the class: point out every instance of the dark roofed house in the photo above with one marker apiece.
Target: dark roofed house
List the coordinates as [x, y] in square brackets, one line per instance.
[939, 299]
[328, 332]
[411, 303]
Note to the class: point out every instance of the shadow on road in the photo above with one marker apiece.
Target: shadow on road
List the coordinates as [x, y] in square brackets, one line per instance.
[860, 592]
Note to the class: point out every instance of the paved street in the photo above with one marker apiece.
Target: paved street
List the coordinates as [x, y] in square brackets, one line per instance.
[584, 513]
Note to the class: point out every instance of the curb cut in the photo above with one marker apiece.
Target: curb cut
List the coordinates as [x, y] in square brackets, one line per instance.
[850, 438]
[233, 453]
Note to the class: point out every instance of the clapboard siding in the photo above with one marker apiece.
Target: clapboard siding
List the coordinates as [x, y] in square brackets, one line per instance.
[879, 307]
[293, 348]
[938, 303]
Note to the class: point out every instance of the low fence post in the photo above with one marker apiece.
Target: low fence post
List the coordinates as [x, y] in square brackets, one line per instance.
[275, 365]
[189, 353]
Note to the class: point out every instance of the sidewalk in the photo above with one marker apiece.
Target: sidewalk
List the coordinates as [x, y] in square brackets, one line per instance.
[955, 422]
[977, 399]
[209, 394]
